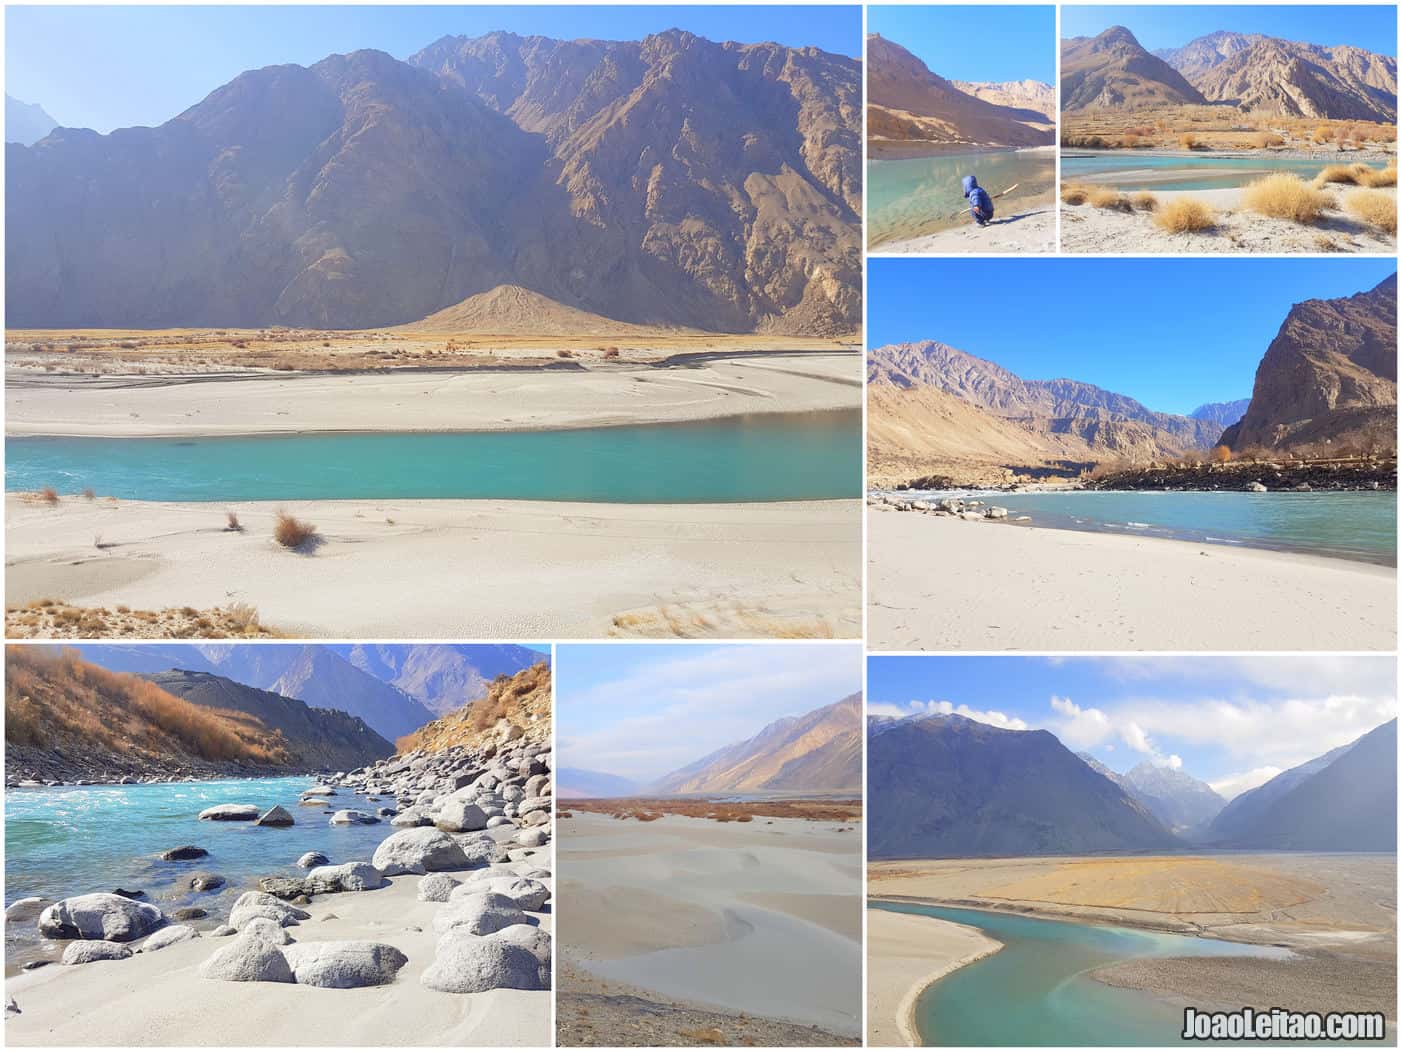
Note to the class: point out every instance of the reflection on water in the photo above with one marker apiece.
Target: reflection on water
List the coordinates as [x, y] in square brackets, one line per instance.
[909, 197]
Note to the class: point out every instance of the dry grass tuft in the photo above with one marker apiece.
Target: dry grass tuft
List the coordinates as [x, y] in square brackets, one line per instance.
[293, 533]
[1374, 207]
[1285, 196]
[231, 522]
[1143, 201]
[1074, 193]
[48, 495]
[1184, 216]
[1104, 197]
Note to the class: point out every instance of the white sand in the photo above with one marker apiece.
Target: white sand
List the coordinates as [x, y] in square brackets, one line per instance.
[906, 953]
[939, 583]
[458, 568]
[1088, 229]
[160, 999]
[1019, 231]
[761, 918]
[416, 400]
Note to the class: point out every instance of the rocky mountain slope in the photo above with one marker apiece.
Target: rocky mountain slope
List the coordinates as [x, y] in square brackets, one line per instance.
[68, 720]
[26, 122]
[1221, 414]
[669, 181]
[1033, 96]
[820, 750]
[442, 677]
[1345, 800]
[510, 707]
[1112, 71]
[950, 787]
[930, 404]
[1330, 375]
[1287, 78]
[907, 103]
[316, 739]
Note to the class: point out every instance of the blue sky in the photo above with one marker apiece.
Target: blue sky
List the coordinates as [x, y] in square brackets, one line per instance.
[643, 711]
[112, 67]
[1172, 333]
[1370, 26]
[974, 43]
[1231, 722]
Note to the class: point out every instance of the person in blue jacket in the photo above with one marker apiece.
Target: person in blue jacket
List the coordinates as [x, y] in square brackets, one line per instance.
[980, 204]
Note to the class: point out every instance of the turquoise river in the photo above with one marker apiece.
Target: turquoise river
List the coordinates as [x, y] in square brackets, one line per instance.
[70, 840]
[1346, 525]
[798, 456]
[1037, 991]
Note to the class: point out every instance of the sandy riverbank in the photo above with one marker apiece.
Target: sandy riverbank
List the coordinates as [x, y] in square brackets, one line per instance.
[714, 916]
[484, 400]
[944, 584]
[900, 948]
[457, 568]
[1015, 230]
[1085, 228]
[160, 999]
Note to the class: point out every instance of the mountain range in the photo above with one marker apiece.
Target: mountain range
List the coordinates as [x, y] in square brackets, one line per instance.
[577, 783]
[1345, 800]
[931, 406]
[908, 105]
[820, 750]
[395, 690]
[1249, 72]
[949, 787]
[672, 181]
[1264, 74]
[1330, 375]
[26, 122]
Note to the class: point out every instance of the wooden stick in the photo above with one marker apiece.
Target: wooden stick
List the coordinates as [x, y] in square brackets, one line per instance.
[1008, 190]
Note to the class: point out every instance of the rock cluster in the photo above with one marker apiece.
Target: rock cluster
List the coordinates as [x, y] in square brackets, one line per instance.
[955, 507]
[472, 824]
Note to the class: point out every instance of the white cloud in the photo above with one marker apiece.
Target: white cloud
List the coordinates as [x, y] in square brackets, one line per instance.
[1133, 735]
[947, 708]
[1175, 762]
[1234, 785]
[1080, 728]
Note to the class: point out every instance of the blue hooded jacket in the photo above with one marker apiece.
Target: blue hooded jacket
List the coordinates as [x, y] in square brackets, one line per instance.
[980, 204]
